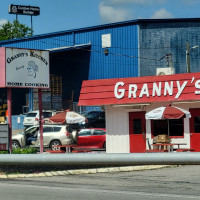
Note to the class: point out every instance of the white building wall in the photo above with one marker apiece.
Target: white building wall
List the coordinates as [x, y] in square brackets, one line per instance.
[117, 127]
[117, 130]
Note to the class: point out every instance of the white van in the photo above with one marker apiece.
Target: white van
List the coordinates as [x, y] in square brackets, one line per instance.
[32, 118]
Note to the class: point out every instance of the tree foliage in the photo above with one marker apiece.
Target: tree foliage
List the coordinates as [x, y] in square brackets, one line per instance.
[12, 30]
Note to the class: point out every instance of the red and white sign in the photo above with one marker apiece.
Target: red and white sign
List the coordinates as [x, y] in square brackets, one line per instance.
[177, 87]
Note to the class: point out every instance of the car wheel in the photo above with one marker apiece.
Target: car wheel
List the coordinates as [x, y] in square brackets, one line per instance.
[15, 145]
[53, 145]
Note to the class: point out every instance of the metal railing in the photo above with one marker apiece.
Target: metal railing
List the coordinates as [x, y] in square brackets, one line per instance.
[98, 159]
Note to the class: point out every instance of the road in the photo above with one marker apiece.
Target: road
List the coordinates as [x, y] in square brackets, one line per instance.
[169, 183]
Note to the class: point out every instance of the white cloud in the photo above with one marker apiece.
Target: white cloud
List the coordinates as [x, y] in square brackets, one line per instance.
[162, 13]
[3, 21]
[111, 14]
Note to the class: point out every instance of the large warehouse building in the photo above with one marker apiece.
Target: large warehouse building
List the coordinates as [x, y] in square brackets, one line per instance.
[127, 49]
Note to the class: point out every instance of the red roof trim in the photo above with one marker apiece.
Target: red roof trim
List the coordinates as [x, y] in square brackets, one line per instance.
[177, 87]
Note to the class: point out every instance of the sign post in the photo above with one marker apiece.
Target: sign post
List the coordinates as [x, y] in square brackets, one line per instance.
[9, 103]
[40, 119]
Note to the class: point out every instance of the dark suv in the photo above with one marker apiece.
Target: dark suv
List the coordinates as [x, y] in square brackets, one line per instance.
[96, 119]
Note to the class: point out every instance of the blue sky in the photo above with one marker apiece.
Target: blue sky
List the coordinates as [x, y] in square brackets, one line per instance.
[60, 15]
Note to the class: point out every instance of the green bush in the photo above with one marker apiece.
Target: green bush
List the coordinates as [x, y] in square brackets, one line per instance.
[28, 150]
[3, 152]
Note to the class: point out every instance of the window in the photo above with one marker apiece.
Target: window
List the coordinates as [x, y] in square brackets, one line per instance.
[85, 133]
[31, 115]
[99, 132]
[32, 130]
[56, 129]
[48, 129]
[175, 127]
[197, 124]
[137, 126]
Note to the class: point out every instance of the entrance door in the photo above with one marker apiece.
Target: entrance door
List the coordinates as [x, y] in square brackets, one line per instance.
[137, 131]
[195, 129]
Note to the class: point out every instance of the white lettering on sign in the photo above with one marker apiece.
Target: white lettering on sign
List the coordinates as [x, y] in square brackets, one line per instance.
[197, 85]
[132, 91]
[168, 88]
[180, 88]
[144, 91]
[119, 93]
[157, 89]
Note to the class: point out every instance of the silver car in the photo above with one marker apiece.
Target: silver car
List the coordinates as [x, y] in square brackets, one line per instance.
[32, 118]
[52, 135]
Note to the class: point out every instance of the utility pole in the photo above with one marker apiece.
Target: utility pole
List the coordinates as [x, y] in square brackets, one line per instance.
[168, 57]
[188, 57]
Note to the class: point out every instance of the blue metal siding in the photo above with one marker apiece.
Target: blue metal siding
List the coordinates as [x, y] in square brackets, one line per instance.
[121, 61]
[159, 39]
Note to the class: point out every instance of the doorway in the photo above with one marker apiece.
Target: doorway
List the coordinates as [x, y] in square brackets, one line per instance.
[137, 132]
[195, 129]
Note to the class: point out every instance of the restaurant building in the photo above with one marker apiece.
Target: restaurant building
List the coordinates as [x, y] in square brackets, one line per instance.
[127, 100]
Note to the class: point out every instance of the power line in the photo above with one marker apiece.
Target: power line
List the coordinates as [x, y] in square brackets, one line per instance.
[102, 52]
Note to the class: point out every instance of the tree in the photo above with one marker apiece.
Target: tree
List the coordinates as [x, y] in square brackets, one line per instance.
[12, 30]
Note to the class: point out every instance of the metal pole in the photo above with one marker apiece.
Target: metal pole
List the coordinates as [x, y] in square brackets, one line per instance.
[9, 105]
[31, 23]
[100, 159]
[40, 119]
[30, 99]
[188, 57]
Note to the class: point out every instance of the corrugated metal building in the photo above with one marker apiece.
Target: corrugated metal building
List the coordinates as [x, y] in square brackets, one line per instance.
[125, 49]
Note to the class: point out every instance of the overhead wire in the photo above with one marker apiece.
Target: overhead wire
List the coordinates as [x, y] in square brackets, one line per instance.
[102, 52]
[71, 44]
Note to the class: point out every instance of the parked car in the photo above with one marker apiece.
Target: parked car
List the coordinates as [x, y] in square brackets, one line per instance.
[32, 118]
[52, 135]
[96, 119]
[92, 138]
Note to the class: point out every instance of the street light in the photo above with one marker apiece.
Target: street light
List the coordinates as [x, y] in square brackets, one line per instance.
[188, 49]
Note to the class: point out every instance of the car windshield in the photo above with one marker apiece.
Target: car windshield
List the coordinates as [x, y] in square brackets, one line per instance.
[32, 130]
[31, 115]
[46, 114]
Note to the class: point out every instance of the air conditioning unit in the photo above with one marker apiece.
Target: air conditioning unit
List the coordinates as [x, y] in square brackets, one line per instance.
[164, 71]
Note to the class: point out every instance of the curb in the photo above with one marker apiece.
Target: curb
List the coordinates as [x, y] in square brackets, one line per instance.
[87, 171]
